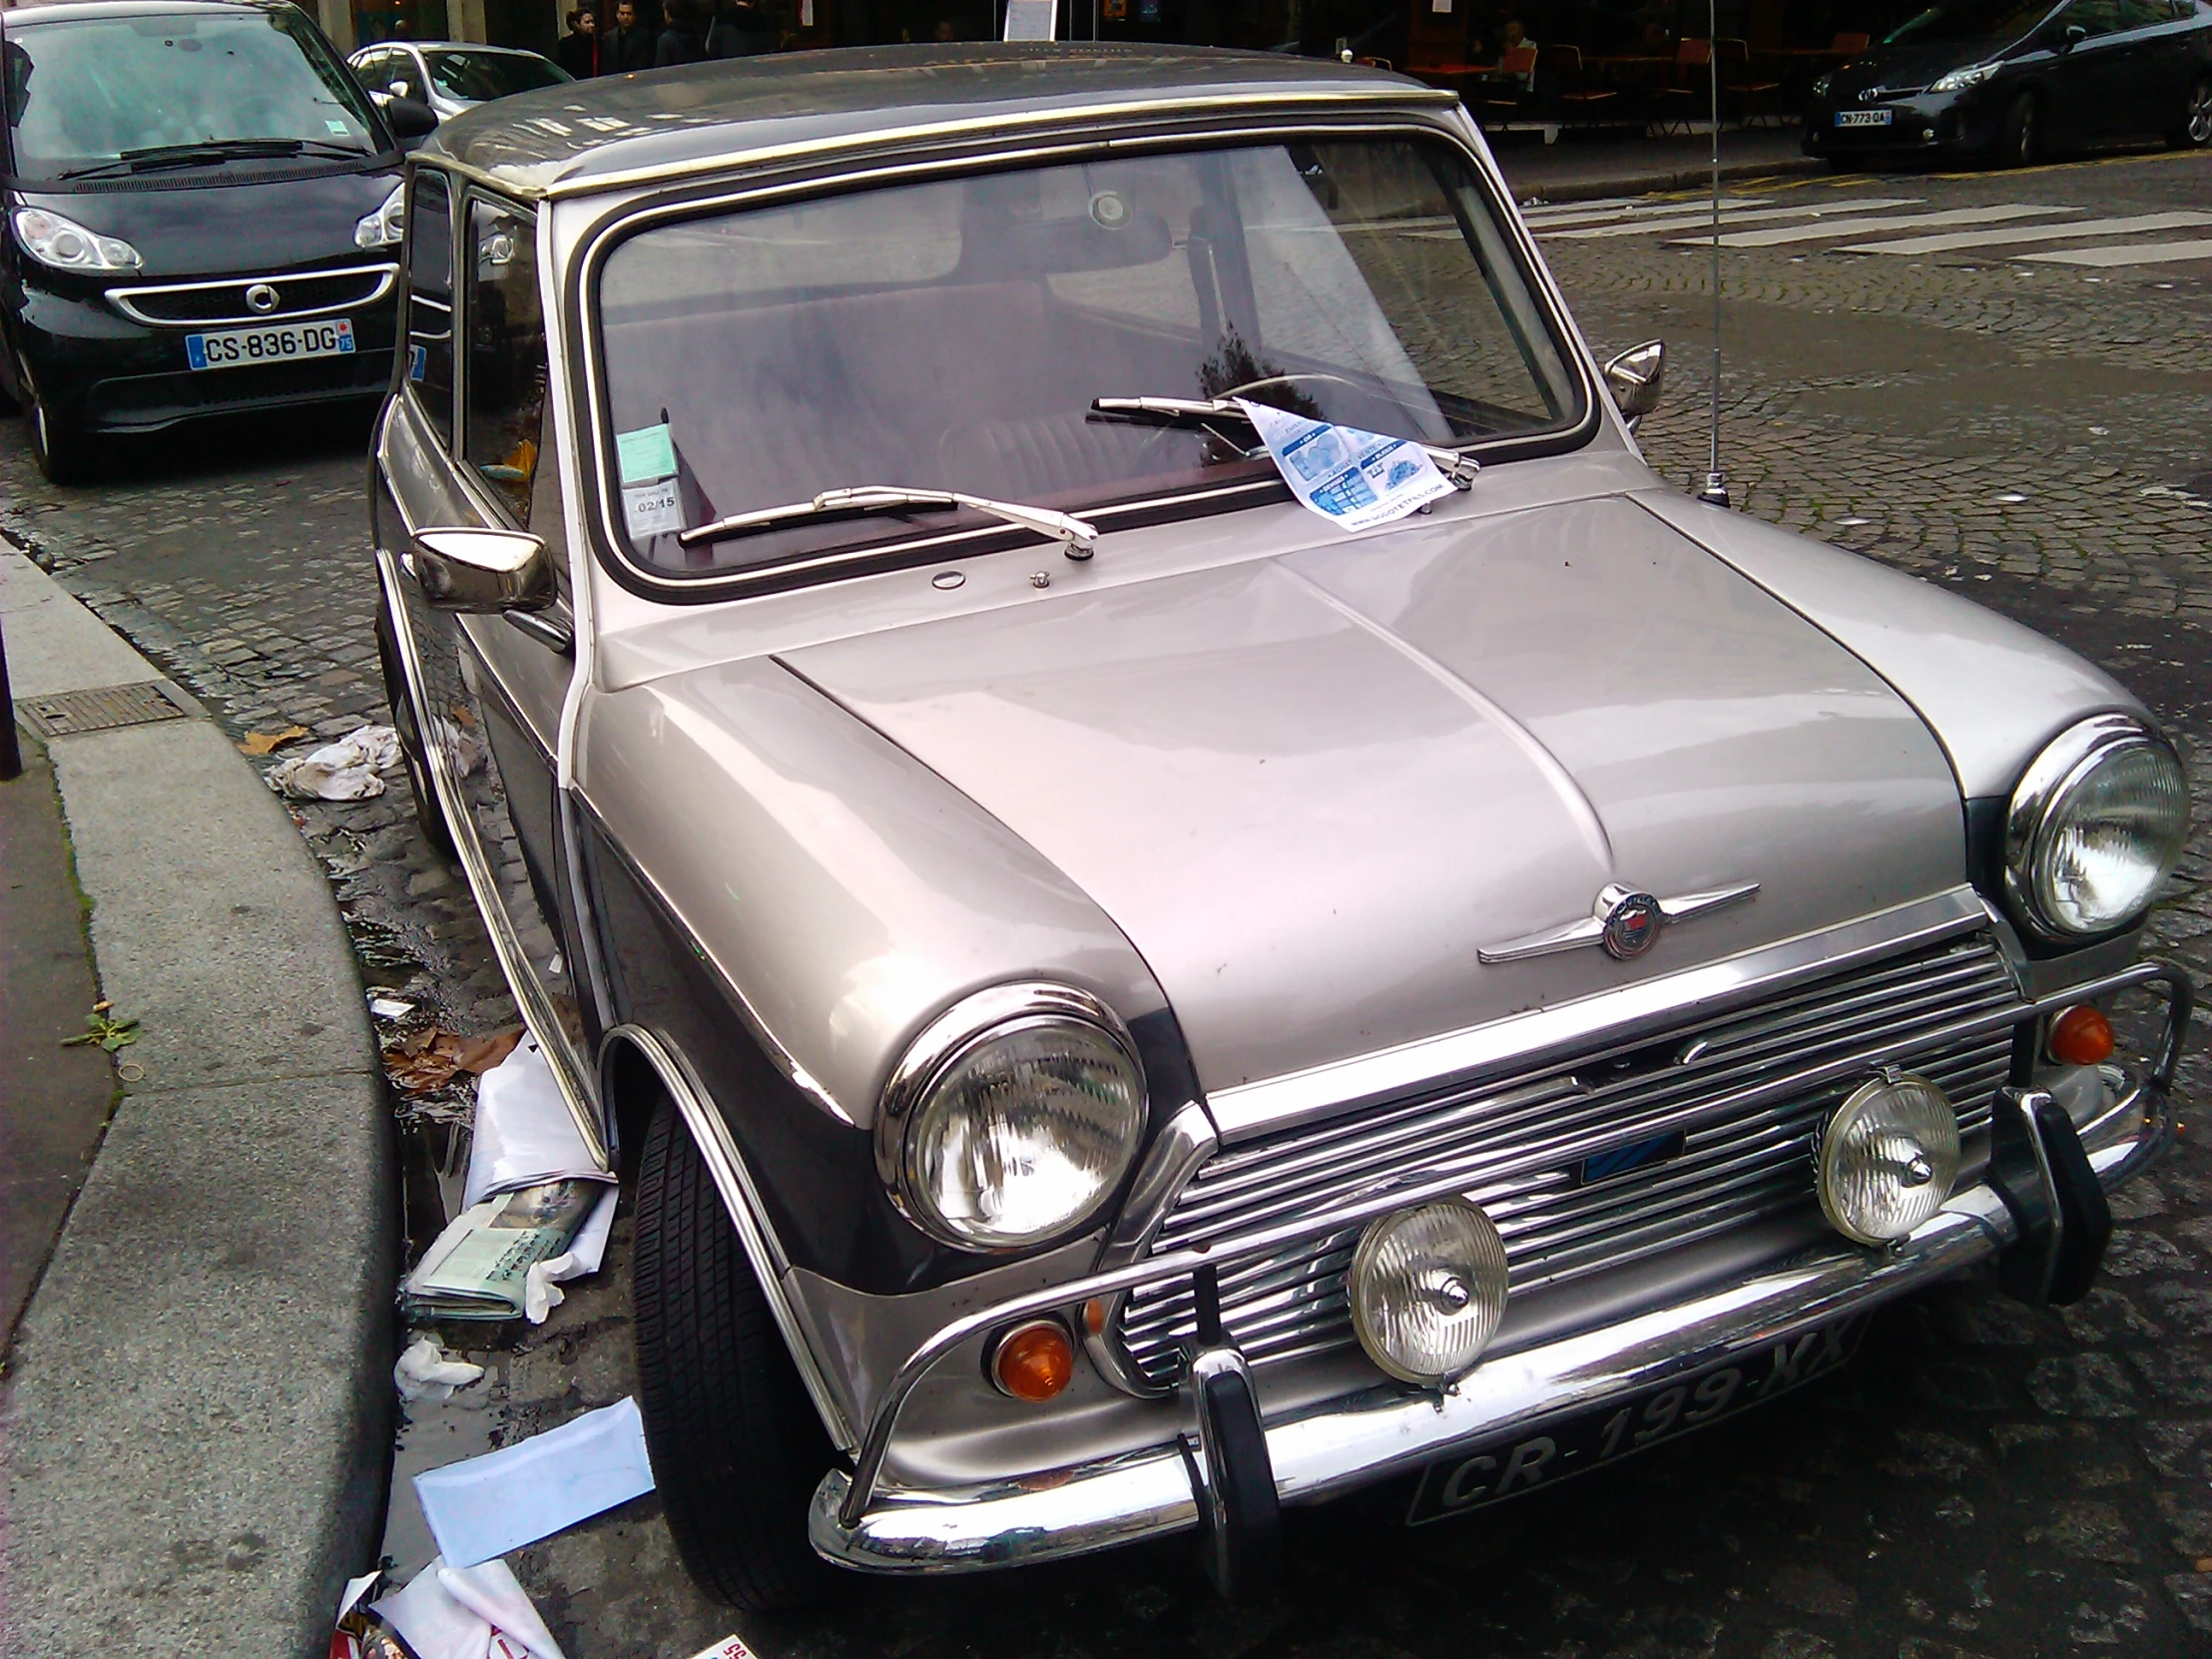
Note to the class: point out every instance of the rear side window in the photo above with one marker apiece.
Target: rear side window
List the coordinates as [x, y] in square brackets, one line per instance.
[506, 354]
[430, 300]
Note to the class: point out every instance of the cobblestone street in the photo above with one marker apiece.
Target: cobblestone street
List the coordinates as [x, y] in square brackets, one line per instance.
[1985, 1481]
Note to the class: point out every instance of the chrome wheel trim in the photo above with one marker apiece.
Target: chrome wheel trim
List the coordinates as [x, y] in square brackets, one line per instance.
[2200, 115]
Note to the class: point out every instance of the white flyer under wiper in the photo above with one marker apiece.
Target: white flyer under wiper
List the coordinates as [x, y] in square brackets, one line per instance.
[1196, 412]
[1077, 535]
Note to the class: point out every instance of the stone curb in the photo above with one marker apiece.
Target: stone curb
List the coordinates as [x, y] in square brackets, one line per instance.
[195, 1422]
[1591, 188]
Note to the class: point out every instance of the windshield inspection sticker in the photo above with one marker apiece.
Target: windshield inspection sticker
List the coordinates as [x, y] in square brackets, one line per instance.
[646, 454]
[651, 499]
[1353, 479]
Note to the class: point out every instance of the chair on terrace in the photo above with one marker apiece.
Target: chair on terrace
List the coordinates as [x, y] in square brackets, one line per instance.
[1573, 96]
[1742, 87]
[1682, 98]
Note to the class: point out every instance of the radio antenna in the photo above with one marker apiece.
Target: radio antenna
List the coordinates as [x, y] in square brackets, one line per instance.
[1715, 492]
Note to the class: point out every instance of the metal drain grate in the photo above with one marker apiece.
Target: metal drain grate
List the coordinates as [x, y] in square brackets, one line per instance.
[67, 713]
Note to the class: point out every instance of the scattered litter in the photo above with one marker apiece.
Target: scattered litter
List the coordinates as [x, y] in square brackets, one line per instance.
[359, 1635]
[479, 1267]
[473, 1612]
[730, 1647]
[2100, 432]
[541, 1292]
[389, 1008]
[525, 1133]
[104, 1029]
[424, 1373]
[1854, 521]
[488, 1505]
[261, 742]
[341, 771]
[429, 1058]
[1353, 479]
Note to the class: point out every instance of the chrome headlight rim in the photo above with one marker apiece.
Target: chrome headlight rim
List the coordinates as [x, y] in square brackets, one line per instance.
[2052, 779]
[1944, 1155]
[967, 1026]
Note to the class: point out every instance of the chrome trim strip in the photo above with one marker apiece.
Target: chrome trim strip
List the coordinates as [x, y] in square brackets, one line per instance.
[1250, 1109]
[1186, 1143]
[1349, 1443]
[867, 1467]
[747, 1215]
[121, 297]
[2061, 766]
[580, 1093]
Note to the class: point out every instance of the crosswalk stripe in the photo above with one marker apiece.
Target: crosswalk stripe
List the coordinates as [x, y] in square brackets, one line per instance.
[2031, 232]
[1692, 222]
[1855, 227]
[1545, 219]
[2140, 253]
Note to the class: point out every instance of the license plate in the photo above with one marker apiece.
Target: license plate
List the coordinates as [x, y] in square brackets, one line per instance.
[1472, 1479]
[1865, 118]
[288, 342]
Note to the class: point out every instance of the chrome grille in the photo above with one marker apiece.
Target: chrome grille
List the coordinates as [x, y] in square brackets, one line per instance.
[299, 293]
[1521, 1144]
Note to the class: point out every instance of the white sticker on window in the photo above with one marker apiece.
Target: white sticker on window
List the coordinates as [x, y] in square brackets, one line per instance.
[654, 509]
[337, 127]
[646, 454]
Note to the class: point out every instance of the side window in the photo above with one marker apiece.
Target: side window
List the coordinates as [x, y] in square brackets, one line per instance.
[367, 68]
[506, 353]
[2145, 14]
[431, 300]
[2099, 17]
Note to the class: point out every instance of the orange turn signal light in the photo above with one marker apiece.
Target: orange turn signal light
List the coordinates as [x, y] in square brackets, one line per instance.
[2081, 1036]
[1033, 1362]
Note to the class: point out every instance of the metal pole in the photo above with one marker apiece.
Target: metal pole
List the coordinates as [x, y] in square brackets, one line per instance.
[1715, 491]
[11, 747]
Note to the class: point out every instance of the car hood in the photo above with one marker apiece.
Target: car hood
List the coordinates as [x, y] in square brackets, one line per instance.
[1902, 68]
[229, 228]
[1311, 789]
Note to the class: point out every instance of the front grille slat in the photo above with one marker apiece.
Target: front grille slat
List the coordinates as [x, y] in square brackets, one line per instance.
[224, 302]
[1746, 1156]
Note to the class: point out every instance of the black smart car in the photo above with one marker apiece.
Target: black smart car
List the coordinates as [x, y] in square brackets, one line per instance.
[2008, 80]
[202, 217]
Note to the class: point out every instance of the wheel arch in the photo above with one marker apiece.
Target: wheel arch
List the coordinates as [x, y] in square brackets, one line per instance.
[638, 1067]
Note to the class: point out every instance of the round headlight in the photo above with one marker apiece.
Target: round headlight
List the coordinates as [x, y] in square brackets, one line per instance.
[1012, 1118]
[2095, 826]
[1427, 1289]
[1888, 1159]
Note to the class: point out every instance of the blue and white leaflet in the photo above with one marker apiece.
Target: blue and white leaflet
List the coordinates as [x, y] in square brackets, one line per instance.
[1353, 479]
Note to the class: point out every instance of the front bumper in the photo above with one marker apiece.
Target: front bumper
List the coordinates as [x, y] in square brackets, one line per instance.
[1926, 124]
[1346, 1443]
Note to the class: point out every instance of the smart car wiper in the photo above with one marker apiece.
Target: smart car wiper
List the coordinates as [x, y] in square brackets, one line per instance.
[1079, 536]
[1196, 411]
[214, 152]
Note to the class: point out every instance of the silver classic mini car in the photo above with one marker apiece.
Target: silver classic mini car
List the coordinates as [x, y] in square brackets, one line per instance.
[1125, 1005]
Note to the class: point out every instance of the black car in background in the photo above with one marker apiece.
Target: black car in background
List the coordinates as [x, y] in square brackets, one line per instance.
[202, 217]
[2011, 80]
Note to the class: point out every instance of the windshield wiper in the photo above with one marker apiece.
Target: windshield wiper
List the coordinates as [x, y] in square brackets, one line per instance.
[1077, 535]
[214, 152]
[1196, 411]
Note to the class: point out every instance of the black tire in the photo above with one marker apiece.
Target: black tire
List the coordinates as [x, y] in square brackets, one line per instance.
[2020, 134]
[428, 818]
[737, 1447]
[2195, 128]
[64, 454]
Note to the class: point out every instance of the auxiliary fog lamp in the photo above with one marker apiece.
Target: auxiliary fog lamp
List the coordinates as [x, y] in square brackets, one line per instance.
[1888, 1157]
[1427, 1289]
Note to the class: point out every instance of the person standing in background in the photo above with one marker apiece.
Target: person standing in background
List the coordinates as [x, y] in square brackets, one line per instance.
[682, 41]
[631, 46]
[740, 30]
[579, 50]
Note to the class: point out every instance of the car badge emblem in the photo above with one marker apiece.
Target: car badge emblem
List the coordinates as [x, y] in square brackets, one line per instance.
[262, 298]
[1623, 923]
[1868, 95]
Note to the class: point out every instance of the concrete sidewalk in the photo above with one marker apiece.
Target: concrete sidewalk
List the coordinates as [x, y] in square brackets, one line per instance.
[196, 1412]
[1583, 168]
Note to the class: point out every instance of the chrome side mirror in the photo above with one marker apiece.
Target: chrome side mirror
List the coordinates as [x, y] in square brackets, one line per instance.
[482, 570]
[1635, 378]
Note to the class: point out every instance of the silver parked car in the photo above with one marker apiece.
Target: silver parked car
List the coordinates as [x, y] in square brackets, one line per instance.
[1125, 1005]
[450, 76]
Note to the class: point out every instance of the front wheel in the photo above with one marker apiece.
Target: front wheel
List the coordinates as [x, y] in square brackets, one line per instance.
[736, 1446]
[64, 454]
[2020, 136]
[2195, 129]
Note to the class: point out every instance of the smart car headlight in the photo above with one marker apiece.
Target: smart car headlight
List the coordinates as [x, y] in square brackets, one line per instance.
[1959, 80]
[385, 227]
[2095, 826]
[68, 246]
[1012, 1118]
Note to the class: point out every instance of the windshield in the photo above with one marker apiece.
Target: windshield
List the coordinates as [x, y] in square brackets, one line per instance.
[479, 77]
[952, 334]
[92, 91]
[1971, 22]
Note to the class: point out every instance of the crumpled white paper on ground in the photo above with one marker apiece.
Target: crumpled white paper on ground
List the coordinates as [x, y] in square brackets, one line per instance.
[476, 1612]
[341, 771]
[520, 1494]
[424, 1373]
[541, 1284]
[1352, 478]
[524, 1133]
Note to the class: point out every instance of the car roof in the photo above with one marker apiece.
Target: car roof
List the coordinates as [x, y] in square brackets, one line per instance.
[472, 47]
[62, 11]
[623, 129]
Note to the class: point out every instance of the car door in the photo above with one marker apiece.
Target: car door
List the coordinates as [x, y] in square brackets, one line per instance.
[2091, 78]
[458, 449]
[2161, 66]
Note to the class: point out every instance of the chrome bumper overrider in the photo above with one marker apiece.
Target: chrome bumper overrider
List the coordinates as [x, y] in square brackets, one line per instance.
[1354, 1442]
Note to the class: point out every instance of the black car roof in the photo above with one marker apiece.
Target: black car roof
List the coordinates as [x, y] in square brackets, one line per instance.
[629, 129]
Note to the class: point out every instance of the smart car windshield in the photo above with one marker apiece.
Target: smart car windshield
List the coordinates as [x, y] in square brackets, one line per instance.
[952, 335]
[480, 77]
[93, 95]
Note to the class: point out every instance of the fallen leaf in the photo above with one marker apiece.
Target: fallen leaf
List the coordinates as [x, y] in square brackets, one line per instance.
[423, 1060]
[261, 742]
[2204, 1563]
[479, 1054]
